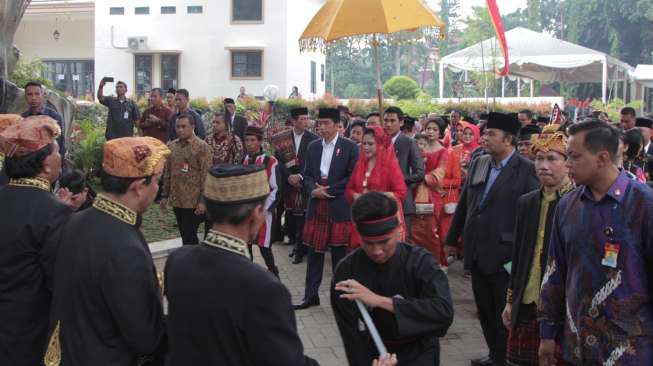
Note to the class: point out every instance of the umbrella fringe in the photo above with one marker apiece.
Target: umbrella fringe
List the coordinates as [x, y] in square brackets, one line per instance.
[317, 44]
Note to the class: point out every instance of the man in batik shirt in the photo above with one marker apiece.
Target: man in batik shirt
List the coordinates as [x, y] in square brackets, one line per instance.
[596, 290]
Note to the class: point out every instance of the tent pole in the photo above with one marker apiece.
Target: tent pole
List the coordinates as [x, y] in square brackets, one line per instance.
[625, 86]
[377, 61]
[643, 107]
[531, 88]
[441, 71]
[518, 87]
[604, 81]
[503, 87]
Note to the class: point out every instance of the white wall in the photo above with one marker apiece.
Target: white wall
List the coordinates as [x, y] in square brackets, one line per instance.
[299, 64]
[35, 40]
[203, 41]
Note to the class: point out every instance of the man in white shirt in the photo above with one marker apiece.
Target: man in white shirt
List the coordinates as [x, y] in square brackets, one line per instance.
[329, 164]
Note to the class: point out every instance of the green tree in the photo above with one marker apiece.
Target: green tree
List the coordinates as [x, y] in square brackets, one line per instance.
[401, 87]
[533, 10]
[354, 91]
[26, 71]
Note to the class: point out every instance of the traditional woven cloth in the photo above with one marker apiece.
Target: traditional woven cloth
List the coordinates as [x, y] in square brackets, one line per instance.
[30, 135]
[320, 232]
[134, 157]
[524, 340]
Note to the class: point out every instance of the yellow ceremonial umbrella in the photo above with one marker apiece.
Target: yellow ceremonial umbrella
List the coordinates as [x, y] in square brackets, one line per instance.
[339, 19]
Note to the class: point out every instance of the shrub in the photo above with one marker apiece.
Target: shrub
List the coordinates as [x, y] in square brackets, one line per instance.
[217, 105]
[27, 71]
[416, 108]
[94, 112]
[87, 145]
[401, 87]
[200, 104]
[613, 108]
[248, 104]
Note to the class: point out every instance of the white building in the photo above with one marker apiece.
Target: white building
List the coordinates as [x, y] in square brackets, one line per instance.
[210, 47]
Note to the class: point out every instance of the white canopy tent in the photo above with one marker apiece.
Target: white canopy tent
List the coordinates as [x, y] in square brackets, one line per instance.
[643, 74]
[643, 77]
[538, 56]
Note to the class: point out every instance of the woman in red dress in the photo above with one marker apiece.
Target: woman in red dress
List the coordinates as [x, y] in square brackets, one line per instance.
[428, 198]
[377, 169]
[471, 138]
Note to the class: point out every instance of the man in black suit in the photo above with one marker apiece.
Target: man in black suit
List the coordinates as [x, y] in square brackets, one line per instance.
[292, 184]
[329, 164]
[410, 159]
[485, 217]
[237, 124]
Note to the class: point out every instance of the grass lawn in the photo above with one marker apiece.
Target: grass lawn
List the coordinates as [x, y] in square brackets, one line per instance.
[158, 225]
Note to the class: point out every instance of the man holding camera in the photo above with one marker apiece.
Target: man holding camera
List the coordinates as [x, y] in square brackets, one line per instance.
[123, 112]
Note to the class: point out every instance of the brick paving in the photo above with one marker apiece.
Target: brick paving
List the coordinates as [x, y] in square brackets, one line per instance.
[319, 332]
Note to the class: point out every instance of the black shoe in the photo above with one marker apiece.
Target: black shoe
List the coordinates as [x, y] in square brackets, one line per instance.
[291, 253]
[483, 361]
[313, 301]
[298, 259]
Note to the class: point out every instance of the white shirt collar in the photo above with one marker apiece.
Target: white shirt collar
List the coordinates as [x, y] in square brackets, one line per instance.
[332, 143]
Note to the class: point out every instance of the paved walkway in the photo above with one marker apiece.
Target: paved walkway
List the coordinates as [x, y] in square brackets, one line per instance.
[319, 332]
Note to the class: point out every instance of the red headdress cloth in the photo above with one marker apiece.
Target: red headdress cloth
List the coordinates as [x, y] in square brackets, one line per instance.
[386, 161]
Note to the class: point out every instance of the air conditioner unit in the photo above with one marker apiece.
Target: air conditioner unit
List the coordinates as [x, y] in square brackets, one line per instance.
[137, 43]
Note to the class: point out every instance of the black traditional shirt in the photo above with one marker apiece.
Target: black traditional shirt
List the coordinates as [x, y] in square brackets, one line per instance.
[107, 307]
[420, 294]
[31, 219]
[225, 310]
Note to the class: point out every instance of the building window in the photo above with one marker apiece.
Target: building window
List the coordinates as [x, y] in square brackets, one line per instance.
[247, 10]
[313, 77]
[194, 9]
[117, 11]
[143, 73]
[169, 71]
[168, 10]
[322, 73]
[246, 64]
[142, 10]
[71, 77]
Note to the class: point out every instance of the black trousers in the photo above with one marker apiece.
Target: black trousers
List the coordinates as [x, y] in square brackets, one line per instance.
[295, 232]
[277, 231]
[188, 224]
[315, 269]
[490, 297]
[268, 257]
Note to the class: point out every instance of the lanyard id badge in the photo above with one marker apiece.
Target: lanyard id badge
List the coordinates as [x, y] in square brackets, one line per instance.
[610, 254]
[610, 249]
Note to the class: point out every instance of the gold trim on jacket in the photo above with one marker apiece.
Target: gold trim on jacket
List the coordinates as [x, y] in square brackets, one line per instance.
[34, 182]
[115, 209]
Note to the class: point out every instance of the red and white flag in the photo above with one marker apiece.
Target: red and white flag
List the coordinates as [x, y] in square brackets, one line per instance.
[495, 17]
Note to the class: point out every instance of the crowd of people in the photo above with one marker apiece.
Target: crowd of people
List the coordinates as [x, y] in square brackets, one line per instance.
[550, 218]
